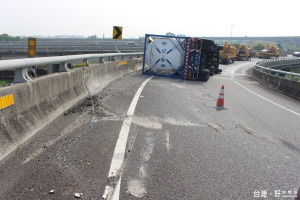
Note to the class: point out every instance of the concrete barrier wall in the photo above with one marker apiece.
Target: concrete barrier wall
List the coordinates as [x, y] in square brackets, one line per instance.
[290, 88]
[97, 76]
[39, 102]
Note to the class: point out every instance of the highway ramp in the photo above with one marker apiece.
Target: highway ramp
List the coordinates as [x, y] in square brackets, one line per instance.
[179, 146]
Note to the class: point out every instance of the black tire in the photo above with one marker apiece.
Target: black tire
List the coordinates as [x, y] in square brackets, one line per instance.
[212, 71]
[204, 72]
[217, 70]
[232, 60]
[203, 78]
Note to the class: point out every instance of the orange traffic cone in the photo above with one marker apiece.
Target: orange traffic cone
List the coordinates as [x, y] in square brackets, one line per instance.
[220, 102]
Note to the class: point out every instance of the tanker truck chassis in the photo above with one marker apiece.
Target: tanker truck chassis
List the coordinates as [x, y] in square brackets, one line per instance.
[180, 57]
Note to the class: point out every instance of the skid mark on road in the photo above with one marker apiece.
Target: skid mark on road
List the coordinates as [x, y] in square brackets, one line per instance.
[152, 122]
[181, 122]
[290, 146]
[168, 145]
[248, 130]
[147, 122]
[146, 154]
[137, 186]
[215, 126]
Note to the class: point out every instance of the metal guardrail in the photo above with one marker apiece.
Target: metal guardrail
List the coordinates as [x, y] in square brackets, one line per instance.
[21, 66]
[267, 65]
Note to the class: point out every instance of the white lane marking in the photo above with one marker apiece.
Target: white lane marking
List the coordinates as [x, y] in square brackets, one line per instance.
[168, 140]
[241, 74]
[264, 98]
[120, 148]
[182, 87]
[116, 194]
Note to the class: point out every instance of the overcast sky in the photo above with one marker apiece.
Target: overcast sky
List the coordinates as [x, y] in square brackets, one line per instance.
[137, 17]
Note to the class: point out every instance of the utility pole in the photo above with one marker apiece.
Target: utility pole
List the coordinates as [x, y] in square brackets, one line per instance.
[231, 29]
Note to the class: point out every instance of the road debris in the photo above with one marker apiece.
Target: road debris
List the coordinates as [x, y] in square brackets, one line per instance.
[78, 195]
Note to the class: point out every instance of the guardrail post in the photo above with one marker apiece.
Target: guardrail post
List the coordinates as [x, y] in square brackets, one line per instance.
[101, 60]
[50, 69]
[119, 57]
[63, 67]
[21, 76]
[53, 68]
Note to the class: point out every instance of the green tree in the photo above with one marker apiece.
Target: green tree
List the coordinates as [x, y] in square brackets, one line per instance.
[280, 47]
[258, 46]
[6, 37]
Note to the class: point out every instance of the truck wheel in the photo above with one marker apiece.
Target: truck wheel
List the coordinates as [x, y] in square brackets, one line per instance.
[203, 78]
[232, 60]
[217, 70]
[212, 71]
[204, 72]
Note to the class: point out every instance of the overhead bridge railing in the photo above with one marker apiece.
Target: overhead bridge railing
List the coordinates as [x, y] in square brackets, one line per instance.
[267, 66]
[58, 63]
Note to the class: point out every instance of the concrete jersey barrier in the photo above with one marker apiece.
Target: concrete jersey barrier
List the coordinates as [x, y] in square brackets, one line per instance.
[40, 101]
[290, 88]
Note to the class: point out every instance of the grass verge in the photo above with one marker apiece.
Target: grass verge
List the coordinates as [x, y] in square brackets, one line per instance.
[4, 82]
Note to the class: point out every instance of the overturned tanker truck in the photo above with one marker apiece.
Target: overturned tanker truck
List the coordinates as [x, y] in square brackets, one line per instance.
[180, 57]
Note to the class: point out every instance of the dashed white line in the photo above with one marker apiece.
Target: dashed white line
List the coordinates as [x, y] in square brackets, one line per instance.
[120, 148]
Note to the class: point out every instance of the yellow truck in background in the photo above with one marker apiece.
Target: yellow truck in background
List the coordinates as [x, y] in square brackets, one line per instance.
[243, 52]
[228, 54]
[270, 52]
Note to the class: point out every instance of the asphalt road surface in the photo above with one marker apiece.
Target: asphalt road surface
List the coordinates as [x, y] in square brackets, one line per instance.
[178, 145]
